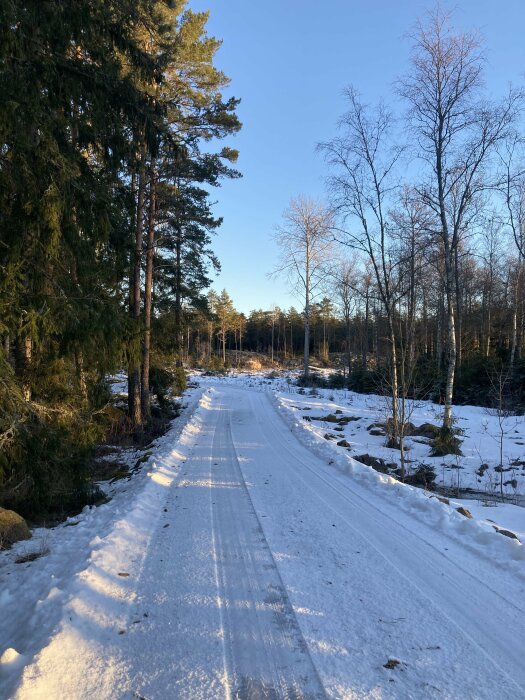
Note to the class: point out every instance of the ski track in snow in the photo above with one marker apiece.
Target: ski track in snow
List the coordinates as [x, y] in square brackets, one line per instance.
[253, 565]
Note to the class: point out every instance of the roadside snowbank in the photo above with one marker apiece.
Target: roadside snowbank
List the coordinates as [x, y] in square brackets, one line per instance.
[477, 535]
[82, 572]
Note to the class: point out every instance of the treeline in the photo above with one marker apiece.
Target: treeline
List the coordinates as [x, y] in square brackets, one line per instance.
[349, 331]
[110, 112]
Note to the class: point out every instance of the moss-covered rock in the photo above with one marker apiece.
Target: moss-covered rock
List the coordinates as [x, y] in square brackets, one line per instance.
[12, 528]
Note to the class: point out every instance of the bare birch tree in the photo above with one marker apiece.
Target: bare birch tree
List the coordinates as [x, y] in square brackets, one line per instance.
[457, 132]
[513, 190]
[305, 239]
[345, 288]
[364, 163]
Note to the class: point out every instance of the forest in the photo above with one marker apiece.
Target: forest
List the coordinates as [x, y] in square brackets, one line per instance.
[409, 275]
[111, 119]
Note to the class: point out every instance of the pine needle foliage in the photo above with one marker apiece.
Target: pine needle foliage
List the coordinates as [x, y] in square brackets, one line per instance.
[93, 95]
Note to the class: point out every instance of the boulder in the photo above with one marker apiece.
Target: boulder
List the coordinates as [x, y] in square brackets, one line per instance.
[13, 528]
[428, 430]
[376, 463]
[507, 533]
[464, 511]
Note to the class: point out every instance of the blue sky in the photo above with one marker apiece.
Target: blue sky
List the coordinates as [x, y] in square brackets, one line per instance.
[289, 61]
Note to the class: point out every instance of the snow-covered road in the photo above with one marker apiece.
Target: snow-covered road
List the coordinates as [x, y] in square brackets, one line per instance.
[269, 574]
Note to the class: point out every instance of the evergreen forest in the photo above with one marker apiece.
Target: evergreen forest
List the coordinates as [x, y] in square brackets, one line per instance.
[112, 120]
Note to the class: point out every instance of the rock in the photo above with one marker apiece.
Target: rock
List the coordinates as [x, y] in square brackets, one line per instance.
[11, 659]
[391, 663]
[507, 533]
[327, 436]
[442, 499]
[499, 469]
[482, 469]
[464, 511]
[338, 412]
[376, 432]
[343, 443]
[13, 528]
[428, 430]
[348, 419]
[330, 418]
[374, 462]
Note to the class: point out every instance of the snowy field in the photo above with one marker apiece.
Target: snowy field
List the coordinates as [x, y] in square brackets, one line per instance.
[252, 557]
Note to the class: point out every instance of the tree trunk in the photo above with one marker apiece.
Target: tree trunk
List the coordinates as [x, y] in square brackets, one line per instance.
[451, 339]
[459, 311]
[178, 297]
[148, 287]
[514, 341]
[348, 352]
[134, 408]
[27, 357]
[439, 333]
[81, 374]
[364, 348]
[394, 380]
[306, 359]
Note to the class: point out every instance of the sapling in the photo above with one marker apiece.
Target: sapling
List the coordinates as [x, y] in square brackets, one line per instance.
[499, 382]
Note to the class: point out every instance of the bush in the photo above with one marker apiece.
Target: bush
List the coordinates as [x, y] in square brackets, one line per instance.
[365, 381]
[444, 443]
[45, 473]
[314, 380]
[180, 381]
[423, 476]
[337, 381]
[161, 381]
[214, 364]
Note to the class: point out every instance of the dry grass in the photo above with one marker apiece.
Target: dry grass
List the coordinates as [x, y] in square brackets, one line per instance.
[29, 556]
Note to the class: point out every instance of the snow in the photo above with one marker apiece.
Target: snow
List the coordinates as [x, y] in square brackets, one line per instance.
[505, 515]
[33, 596]
[251, 557]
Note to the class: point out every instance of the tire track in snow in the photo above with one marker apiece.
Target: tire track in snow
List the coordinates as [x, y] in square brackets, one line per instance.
[266, 654]
[467, 623]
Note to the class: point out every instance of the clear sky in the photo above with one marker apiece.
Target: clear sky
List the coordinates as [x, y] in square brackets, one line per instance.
[289, 61]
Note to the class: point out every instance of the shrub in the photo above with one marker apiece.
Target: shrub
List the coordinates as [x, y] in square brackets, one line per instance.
[314, 380]
[337, 381]
[180, 381]
[444, 443]
[423, 476]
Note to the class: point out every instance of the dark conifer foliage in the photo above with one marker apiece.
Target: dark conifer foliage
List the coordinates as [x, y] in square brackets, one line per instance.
[105, 110]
